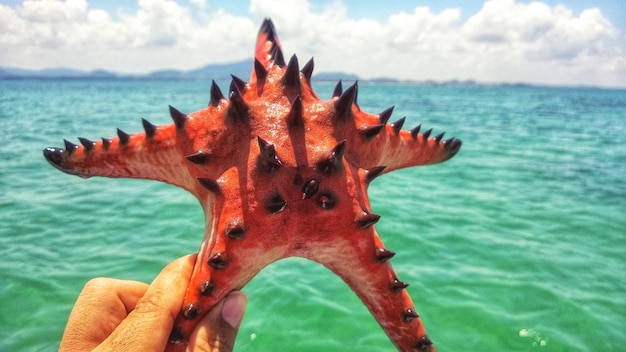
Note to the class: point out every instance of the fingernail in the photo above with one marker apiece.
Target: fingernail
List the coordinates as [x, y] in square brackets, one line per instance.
[234, 308]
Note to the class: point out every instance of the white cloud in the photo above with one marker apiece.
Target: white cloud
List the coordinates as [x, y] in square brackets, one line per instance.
[506, 40]
[161, 34]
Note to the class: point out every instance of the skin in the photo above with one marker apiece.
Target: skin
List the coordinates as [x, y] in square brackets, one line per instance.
[123, 315]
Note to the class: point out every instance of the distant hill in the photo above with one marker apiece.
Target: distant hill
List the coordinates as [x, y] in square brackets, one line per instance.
[335, 76]
[240, 69]
[9, 72]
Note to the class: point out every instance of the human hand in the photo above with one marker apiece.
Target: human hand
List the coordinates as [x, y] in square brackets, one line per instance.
[122, 315]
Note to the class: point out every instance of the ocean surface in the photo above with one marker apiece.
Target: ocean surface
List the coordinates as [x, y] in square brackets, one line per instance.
[516, 244]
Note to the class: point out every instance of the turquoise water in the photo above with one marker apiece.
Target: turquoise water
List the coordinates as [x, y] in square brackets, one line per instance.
[516, 244]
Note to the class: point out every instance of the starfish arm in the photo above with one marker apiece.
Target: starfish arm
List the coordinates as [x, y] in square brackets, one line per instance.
[226, 267]
[373, 142]
[238, 243]
[171, 153]
[267, 53]
[385, 144]
[363, 265]
[221, 267]
[152, 155]
[396, 150]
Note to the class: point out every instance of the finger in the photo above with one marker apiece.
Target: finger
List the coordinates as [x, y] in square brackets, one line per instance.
[217, 331]
[101, 306]
[149, 325]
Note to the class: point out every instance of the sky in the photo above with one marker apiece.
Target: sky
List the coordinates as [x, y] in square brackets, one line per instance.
[576, 42]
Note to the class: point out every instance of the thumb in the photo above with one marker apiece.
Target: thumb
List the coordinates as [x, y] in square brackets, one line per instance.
[217, 331]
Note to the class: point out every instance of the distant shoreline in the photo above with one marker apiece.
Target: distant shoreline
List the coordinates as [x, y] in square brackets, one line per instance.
[347, 80]
[221, 72]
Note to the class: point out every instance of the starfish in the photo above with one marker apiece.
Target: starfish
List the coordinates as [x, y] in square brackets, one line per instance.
[279, 173]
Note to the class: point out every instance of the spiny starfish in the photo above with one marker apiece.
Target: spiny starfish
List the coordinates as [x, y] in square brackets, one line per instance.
[279, 173]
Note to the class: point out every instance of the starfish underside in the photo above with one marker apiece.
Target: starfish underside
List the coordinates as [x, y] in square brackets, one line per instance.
[279, 173]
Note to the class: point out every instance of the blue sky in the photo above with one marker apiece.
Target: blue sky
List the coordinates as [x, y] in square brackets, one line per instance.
[547, 42]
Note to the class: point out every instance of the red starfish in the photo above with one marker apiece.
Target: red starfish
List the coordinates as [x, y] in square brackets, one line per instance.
[279, 173]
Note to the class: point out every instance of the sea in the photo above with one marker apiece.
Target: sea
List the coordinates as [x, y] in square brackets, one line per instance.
[518, 243]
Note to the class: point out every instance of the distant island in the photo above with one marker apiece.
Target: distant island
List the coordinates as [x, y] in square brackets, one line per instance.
[214, 71]
[218, 72]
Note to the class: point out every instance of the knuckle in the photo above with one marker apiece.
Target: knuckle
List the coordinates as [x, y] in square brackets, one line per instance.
[152, 302]
[98, 285]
